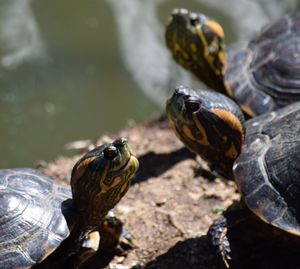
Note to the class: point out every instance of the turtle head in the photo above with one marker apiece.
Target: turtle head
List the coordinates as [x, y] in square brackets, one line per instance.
[197, 44]
[101, 178]
[209, 124]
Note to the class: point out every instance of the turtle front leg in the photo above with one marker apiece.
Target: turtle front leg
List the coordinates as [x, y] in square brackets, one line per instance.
[243, 240]
[219, 230]
[218, 236]
[114, 237]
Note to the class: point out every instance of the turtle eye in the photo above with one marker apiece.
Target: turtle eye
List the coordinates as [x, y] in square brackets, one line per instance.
[192, 105]
[194, 19]
[110, 152]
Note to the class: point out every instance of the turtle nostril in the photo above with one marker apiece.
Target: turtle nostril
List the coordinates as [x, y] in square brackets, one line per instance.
[123, 140]
[120, 142]
[180, 90]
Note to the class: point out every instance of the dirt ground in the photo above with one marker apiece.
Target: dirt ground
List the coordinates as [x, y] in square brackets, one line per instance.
[171, 204]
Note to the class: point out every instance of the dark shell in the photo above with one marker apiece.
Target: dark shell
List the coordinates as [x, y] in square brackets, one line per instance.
[32, 224]
[268, 169]
[264, 73]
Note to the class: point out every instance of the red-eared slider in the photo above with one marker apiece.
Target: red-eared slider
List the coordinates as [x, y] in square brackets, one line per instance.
[263, 152]
[261, 74]
[37, 214]
[198, 131]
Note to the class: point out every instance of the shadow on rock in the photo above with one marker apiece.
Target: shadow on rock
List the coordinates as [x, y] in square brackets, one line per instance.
[193, 253]
[153, 164]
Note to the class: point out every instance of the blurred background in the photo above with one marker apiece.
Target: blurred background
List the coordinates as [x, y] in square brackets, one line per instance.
[72, 70]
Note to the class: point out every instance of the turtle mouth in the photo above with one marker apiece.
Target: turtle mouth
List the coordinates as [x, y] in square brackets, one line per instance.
[133, 162]
[128, 162]
[129, 167]
[125, 157]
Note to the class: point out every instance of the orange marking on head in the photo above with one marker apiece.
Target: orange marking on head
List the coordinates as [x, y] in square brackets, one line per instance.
[173, 126]
[188, 133]
[178, 49]
[211, 57]
[204, 141]
[232, 152]
[80, 169]
[103, 186]
[215, 27]
[116, 181]
[231, 120]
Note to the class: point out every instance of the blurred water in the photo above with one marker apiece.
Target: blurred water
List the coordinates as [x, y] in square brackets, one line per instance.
[75, 70]
[19, 34]
[144, 54]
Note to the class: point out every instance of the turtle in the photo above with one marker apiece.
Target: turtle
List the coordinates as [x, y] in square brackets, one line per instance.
[261, 154]
[44, 224]
[200, 134]
[261, 74]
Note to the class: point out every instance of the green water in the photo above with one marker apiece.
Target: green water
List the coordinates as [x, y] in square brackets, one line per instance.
[75, 84]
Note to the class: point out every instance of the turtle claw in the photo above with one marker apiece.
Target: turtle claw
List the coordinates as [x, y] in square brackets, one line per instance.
[126, 240]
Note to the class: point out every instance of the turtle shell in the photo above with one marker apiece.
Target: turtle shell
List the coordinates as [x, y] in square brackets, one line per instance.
[268, 169]
[264, 74]
[32, 223]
